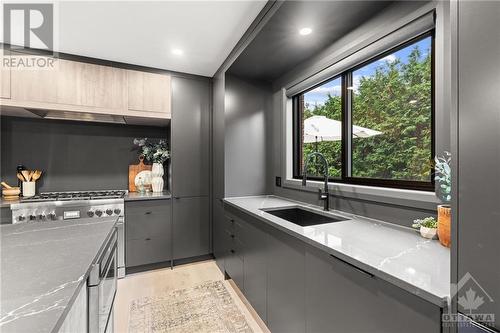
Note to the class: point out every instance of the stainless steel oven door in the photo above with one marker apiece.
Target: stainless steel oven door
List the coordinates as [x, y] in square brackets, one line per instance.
[107, 290]
[102, 288]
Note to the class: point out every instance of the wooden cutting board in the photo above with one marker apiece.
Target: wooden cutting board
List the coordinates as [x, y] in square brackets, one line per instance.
[133, 170]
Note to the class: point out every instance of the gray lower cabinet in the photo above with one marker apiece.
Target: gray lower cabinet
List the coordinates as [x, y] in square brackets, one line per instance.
[297, 288]
[285, 284]
[220, 246]
[255, 267]
[191, 224]
[340, 298]
[148, 232]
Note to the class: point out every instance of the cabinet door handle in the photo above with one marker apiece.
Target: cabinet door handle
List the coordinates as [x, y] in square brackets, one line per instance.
[232, 236]
[362, 271]
[147, 213]
[148, 239]
[232, 251]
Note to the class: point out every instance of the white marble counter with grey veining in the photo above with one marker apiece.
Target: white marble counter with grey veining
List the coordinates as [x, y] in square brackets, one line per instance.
[396, 254]
[43, 267]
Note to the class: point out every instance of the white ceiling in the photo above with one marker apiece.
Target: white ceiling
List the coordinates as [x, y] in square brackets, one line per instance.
[144, 33]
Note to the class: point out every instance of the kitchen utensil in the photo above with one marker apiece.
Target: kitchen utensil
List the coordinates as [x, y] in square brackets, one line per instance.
[10, 197]
[21, 178]
[13, 191]
[36, 175]
[26, 175]
[31, 175]
[5, 185]
[28, 189]
[19, 168]
[133, 170]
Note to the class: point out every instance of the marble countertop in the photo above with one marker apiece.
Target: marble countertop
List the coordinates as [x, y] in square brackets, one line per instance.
[44, 265]
[396, 254]
[131, 196]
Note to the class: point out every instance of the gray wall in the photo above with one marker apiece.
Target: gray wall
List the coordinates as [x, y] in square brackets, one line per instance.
[478, 193]
[73, 155]
[247, 118]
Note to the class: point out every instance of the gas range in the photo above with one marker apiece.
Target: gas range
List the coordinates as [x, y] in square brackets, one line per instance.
[76, 195]
[53, 206]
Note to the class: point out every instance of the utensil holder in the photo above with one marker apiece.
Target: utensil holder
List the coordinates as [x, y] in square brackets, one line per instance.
[29, 189]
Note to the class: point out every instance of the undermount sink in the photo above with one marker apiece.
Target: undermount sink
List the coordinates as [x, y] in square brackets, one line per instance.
[303, 217]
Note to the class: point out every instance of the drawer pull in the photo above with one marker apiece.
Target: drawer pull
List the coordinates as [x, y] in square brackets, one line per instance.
[232, 251]
[148, 239]
[147, 213]
[362, 271]
[232, 236]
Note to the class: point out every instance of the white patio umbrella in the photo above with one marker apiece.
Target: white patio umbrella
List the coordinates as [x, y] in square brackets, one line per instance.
[321, 128]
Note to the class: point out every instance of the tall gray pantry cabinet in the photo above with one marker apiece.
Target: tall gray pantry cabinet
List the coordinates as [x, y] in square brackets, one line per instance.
[190, 136]
[478, 154]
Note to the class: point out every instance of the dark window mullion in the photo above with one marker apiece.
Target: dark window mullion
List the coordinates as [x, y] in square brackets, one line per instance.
[347, 125]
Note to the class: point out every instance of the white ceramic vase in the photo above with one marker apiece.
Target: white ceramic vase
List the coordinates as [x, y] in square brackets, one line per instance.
[157, 177]
[429, 233]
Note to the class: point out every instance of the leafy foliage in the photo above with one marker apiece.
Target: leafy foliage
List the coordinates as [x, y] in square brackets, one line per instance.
[428, 222]
[153, 151]
[395, 100]
[443, 175]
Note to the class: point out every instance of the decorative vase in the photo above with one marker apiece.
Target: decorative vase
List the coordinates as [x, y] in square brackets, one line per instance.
[444, 225]
[429, 233]
[157, 177]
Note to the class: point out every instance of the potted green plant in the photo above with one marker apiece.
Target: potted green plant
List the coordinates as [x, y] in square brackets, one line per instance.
[427, 227]
[156, 152]
[443, 178]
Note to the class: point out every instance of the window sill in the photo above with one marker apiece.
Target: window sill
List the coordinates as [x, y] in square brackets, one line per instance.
[400, 197]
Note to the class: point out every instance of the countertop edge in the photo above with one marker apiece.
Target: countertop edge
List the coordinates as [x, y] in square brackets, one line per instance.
[132, 196]
[424, 294]
[83, 282]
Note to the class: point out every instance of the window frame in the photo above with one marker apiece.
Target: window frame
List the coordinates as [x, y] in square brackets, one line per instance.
[346, 112]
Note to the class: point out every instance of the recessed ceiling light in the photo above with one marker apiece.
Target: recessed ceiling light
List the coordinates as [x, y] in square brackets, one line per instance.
[305, 31]
[177, 51]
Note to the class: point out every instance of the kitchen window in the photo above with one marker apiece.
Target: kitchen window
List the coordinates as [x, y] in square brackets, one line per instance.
[374, 123]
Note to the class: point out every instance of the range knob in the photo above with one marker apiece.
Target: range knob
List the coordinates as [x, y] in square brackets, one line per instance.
[51, 216]
[117, 211]
[21, 218]
[32, 217]
[90, 213]
[109, 211]
[98, 212]
[41, 216]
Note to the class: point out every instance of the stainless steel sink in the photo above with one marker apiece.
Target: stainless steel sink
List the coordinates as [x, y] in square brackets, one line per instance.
[304, 217]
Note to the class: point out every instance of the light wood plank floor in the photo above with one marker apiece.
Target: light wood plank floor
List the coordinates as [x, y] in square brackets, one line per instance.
[164, 280]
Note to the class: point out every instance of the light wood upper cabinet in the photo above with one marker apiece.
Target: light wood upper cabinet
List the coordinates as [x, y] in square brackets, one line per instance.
[72, 83]
[4, 77]
[73, 86]
[148, 92]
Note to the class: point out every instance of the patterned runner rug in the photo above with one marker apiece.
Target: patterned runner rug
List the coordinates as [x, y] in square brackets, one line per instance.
[207, 307]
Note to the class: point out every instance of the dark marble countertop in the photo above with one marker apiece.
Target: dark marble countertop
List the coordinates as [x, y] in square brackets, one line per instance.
[44, 265]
